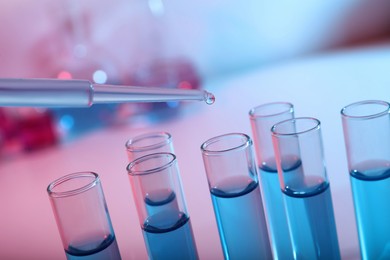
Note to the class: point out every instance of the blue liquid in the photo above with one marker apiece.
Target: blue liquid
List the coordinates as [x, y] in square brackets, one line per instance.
[371, 193]
[168, 233]
[311, 221]
[160, 197]
[94, 250]
[275, 210]
[161, 200]
[240, 217]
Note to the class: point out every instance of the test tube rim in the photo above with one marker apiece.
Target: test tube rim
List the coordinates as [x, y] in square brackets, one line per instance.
[152, 170]
[55, 194]
[130, 147]
[316, 126]
[243, 146]
[253, 114]
[344, 113]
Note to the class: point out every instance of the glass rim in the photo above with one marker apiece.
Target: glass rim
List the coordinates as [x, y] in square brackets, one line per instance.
[247, 142]
[131, 143]
[253, 113]
[55, 194]
[385, 104]
[152, 170]
[316, 126]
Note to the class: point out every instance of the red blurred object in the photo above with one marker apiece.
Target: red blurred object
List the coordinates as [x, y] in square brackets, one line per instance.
[26, 129]
[37, 130]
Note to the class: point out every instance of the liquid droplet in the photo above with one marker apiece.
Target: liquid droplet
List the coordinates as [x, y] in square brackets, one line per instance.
[209, 98]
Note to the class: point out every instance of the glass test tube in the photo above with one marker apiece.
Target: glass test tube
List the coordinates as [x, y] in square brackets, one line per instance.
[82, 217]
[366, 126]
[161, 208]
[307, 196]
[144, 144]
[262, 118]
[232, 176]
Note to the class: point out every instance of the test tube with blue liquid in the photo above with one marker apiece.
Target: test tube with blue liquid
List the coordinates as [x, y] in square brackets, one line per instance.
[82, 217]
[262, 118]
[160, 202]
[366, 126]
[306, 190]
[232, 177]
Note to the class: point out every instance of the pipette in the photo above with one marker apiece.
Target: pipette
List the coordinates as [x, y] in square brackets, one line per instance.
[83, 93]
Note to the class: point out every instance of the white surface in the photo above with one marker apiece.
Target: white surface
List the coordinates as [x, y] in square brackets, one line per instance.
[318, 87]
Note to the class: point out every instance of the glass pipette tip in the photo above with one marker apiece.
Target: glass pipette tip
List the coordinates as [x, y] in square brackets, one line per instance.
[122, 94]
[83, 93]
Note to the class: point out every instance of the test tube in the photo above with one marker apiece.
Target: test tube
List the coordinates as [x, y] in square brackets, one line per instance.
[160, 202]
[366, 126]
[232, 177]
[82, 217]
[153, 142]
[305, 186]
[262, 118]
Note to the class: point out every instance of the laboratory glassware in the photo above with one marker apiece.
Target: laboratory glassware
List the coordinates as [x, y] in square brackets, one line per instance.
[262, 118]
[306, 191]
[160, 202]
[152, 142]
[82, 217]
[232, 177]
[83, 93]
[366, 126]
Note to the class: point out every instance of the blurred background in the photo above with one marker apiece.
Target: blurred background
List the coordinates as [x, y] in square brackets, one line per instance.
[175, 44]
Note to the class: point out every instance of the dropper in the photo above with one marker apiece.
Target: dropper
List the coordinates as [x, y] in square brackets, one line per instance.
[83, 93]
